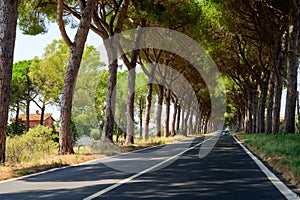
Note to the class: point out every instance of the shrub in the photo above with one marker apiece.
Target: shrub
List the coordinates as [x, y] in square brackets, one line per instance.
[95, 134]
[37, 143]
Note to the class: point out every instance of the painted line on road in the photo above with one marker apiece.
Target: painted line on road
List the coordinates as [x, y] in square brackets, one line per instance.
[101, 192]
[84, 163]
[287, 192]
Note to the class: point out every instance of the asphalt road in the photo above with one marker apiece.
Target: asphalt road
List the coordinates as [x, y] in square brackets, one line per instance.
[172, 171]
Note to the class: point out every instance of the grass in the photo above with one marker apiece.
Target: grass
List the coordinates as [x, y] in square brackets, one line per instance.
[282, 152]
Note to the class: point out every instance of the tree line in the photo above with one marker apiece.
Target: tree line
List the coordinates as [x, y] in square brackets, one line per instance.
[253, 43]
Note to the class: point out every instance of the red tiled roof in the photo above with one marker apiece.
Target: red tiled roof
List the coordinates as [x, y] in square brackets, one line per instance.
[35, 117]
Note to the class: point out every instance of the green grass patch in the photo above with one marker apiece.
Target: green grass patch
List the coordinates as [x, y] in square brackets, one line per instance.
[281, 151]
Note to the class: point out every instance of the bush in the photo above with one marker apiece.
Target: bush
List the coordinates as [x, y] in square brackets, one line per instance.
[36, 144]
[95, 134]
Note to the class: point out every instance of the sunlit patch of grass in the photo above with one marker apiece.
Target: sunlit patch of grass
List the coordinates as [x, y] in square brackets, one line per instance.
[281, 151]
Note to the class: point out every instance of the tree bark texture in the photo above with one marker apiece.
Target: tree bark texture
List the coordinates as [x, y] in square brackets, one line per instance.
[270, 105]
[159, 110]
[173, 123]
[167, 119]
[8, 19]
[178, 118]
[131, 88]
[27, 114]
[130, 107]
[111, 46]
[279, 73]
[261, 108]
[149, 101]
[292, 66]
[76, 51]
[8, 23]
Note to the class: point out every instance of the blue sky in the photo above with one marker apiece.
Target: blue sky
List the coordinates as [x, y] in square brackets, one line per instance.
[27, 47]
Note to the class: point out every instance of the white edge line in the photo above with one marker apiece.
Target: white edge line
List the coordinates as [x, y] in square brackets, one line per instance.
[287, 192]
[103, 191]
[84, 163]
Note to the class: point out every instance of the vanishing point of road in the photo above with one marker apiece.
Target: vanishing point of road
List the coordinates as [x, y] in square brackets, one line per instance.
[172, 171]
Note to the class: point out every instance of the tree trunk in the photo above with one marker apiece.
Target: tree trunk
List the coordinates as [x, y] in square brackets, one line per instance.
[254, 115]
[8, 23]
[130, 107]
[190, 127]
[76, 51]
[131, 88]
[167, 120]
[159, 110]
[249, 113]
[108, 128]
[186, 118]
[279, 73]
[27, 114]
[270, 105]
[292, 66]
[42, 113]
[261, 108]
[178, 118]
[148, 103]
[182, 120]
[173, 123]
[16, 125]
[141, 117]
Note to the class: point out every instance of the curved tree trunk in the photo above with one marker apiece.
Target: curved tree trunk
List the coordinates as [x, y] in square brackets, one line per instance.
[8, 23]
[76, 51]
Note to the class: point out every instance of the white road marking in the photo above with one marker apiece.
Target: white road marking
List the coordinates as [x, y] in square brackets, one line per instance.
[287, 192]
[101, 192]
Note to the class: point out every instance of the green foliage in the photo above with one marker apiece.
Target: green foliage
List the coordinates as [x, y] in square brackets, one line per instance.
[100, 96]
[32, 146]
[22, 87]
[48, 74]
[74, 129]
[10, 128]
[95, 134]
[83, 109]
[34, 16]
[286, 147]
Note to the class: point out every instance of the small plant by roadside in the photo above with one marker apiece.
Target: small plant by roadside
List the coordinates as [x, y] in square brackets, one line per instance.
[31, 146]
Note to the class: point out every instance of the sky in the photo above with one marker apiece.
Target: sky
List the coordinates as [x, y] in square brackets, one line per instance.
[27, 47]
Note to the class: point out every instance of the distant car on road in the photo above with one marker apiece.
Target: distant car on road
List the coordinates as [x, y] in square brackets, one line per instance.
[225, 132]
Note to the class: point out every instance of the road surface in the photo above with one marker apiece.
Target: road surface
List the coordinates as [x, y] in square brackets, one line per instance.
[172, 171]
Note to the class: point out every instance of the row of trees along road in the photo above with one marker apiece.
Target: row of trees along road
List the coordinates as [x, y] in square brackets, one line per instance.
[254, 44]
